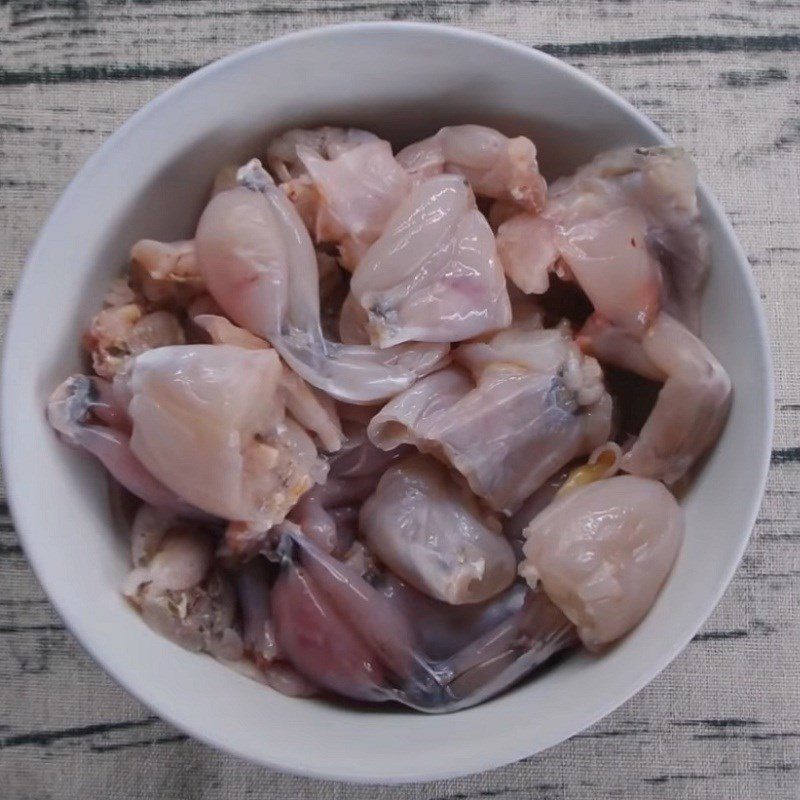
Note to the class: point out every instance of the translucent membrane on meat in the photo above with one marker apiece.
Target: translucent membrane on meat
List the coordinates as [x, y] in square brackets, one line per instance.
[336, 501]
[209, 423]
[433, 276]
[481, 649]
[336, 629]
[691, 408]
[350, 638]
[313, 410]
[354, 196]
[602, 552]
[283, 157]
[532, 404]
[86, 414]
[505, 654]
[425, 525]
[441, 628]
[628, 227]
[259, 264]
[494, 165]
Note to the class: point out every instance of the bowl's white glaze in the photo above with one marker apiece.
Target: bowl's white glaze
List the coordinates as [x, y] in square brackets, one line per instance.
[150, 179]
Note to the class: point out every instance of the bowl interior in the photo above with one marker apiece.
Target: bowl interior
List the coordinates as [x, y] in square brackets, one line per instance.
[151, 179]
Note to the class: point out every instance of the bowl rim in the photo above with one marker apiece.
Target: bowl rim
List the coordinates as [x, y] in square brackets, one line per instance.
[13, 351]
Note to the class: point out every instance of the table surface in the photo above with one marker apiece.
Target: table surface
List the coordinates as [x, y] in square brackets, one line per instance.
[723, 78]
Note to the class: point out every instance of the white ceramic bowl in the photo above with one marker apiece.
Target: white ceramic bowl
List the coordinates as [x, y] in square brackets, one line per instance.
[150, 179]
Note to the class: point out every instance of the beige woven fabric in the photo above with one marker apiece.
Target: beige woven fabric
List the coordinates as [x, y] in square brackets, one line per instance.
[723, 78]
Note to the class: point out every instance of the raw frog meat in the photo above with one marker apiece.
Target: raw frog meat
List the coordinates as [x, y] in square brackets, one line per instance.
[283, 153]
[166, 272]
[143, 312]
[119, 333]
[691, 408]
[604, 462]
[262, 657]
[611, 344]
[208, 421]
[188, 598]
[259, 264]
[494, 165]
[602, 553]
[442, 629]
[433, 276]
[87, 414]
[627, 228]
[313, 410]
[344, 183]
[530, 404]
[425, 526]
[328, 513]
[364, 411]
[348, 637]
[178, 589]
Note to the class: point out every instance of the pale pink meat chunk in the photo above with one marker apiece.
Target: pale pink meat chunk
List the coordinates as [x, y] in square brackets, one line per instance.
[313, 410]
[209, 423]
[631, 216]
[691, 408]
[426, 526]
[611, 344]
[533, 404]
[602, 553]
[166, 273]
[609, 258]
[434, 275]
[328, 142]
[527, 249]
[354, 196]
[496, 166]
[260, 266]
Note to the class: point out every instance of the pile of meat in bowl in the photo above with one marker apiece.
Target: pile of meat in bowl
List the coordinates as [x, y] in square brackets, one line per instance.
[402, 426]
